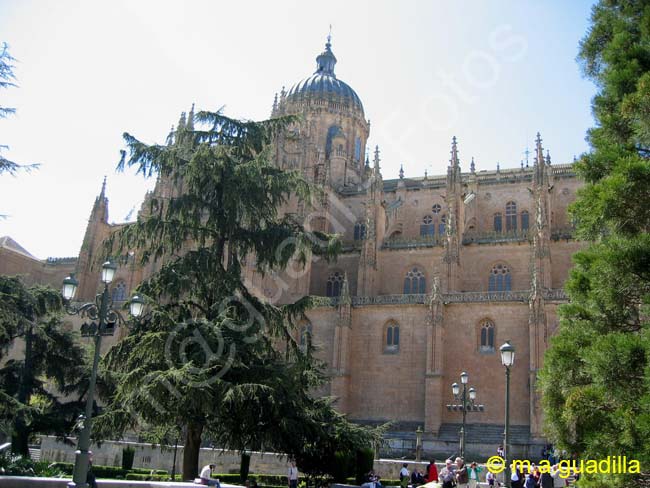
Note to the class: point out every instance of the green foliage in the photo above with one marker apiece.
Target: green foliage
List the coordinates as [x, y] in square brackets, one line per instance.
[22, 466]
[51, 360]
[365, 461]
[128, 453]
[596, 376]
[6, 81]
[207, 357]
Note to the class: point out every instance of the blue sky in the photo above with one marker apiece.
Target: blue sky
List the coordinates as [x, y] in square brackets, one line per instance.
[490, 73]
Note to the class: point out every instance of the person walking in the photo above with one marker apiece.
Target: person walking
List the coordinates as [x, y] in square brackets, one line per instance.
[404, 476]
[293, 475]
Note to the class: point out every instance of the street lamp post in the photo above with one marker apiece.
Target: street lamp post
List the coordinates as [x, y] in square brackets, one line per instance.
[507, 359]
[418, 444]
[466, 399]
[100, 310]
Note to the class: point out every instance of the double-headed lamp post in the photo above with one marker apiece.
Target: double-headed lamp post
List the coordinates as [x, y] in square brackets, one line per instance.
[507, 359]
[101, 314]
[466, 399]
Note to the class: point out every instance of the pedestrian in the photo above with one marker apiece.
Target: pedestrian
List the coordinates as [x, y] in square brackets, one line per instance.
[491, 479]
[91, 481]
[546, 479]
[447, 475]
[293, 475]
[474, 473]
[462, 477]
[404, 476]
[432, 472]
[530, 481]
[416, 478]
[206, 476]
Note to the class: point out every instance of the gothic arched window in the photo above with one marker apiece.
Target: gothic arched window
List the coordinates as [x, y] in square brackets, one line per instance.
[511, 216]
[119, 292]
[500, 279]
[497, 222]
[392, 337]
[414, 282]
[334, 284]
[357, 149]
[441, 225]
[524, 220]
[427, 227]
[487, 336]
[359, 231]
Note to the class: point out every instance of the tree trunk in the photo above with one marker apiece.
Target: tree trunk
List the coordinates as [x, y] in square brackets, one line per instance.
[244, 467]
[20, 436]
[191, 451]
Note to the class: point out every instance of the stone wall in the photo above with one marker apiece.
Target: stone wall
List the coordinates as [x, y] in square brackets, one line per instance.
[153, 457]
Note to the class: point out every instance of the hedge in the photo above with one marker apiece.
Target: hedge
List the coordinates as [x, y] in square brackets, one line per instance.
[149, 477]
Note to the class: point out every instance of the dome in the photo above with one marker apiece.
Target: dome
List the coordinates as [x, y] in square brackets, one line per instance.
[324, 83]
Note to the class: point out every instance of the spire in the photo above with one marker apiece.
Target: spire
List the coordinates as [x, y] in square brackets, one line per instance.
[170, 136]
[100, 208]
[190, 119]
[498, 167]
[181, 121]
[472, 166]
[454, 152]
[102, 194]
[539, 151]
[376, 160]
[548, 158]
[426, 174]
[326, 60]
[275, 102]
[401, 171]
[367, 162]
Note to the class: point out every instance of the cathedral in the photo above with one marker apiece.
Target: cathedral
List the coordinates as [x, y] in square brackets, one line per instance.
[436, 273]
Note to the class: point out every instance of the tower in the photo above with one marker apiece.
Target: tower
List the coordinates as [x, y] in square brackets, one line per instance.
[333, 131]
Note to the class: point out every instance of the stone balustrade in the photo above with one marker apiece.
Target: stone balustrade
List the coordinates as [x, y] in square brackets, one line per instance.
[412, 242]
[459, 297]
[493, 237]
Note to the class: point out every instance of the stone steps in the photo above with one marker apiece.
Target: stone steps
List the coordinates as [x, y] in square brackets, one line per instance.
[484, 433]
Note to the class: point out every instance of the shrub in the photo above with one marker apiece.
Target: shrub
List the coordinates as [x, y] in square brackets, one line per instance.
[128, 453]
[17, 466]
[229, 478]
[365, 463]
[343, 466]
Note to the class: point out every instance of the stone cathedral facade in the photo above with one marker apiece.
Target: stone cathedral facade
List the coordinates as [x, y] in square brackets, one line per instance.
[437, 272]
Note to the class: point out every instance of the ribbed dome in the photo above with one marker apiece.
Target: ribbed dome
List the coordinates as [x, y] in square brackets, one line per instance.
[324, 83]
